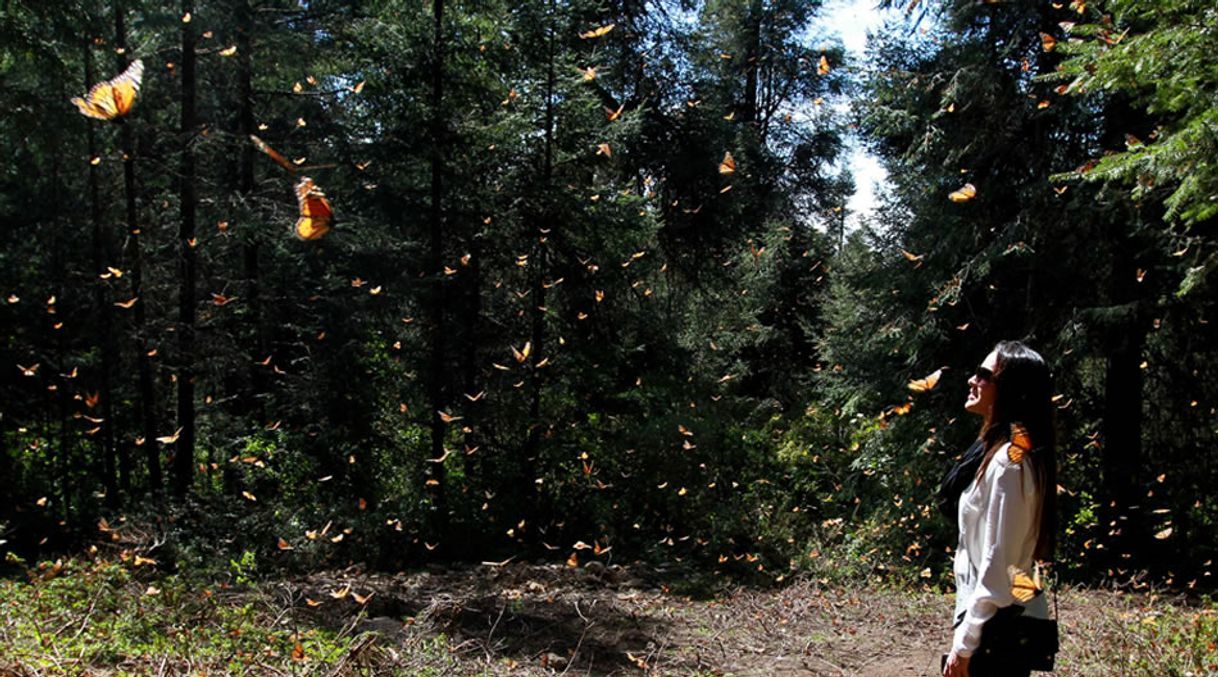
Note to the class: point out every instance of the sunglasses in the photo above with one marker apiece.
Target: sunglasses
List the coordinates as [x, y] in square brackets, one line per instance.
[983, 374]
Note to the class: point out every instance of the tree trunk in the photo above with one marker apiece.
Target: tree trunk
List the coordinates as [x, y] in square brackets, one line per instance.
[752, 63]
[1122, 423]
[250, 247]
[105, 322]
[435, 386]
[59, 279]
[1122, 465]
[147, 397]
[473, 375]
[538, 260]
[183, 465]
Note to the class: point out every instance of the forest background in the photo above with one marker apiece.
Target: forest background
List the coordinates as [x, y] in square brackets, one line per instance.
[590, 292]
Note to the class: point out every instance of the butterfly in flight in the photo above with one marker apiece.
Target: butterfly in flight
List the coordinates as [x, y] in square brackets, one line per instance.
[113, 98]
[597, 32]
[922, 385]
[728, 164]
[965, 193]
[316, 215]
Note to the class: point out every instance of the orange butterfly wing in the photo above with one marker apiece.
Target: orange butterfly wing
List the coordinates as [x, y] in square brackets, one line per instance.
[316, 215]
[98, 104]
[728, 164]
[922, 385]
[966, 192]
[113, 98]
[597, 32]
[1021, 443]
[1023, 586]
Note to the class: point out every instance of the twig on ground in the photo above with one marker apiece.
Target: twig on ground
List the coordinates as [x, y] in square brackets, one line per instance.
[584, 633]
[354, 651]
[491, 634]
[89, 612]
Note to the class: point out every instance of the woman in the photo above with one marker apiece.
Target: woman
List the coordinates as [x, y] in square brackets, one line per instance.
[1005, 488]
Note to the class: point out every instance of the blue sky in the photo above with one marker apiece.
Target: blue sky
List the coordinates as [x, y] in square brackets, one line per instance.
[851, 19]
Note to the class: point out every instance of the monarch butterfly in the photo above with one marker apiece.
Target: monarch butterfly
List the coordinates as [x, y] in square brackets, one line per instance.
[1021, 443]
[597, 32]
[113, 98]
[316, 215]
[728, 164]
[922, 385]
[966, 192]
[1023, 586]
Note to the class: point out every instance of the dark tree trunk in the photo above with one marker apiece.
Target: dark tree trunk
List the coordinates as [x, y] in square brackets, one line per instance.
[105, 321]
[250, 247]
[59, 277]
[147, 396]
[1123, 476]
[471, 321]
[538, 261]
[183, 465]
[435, 386]
[752, 63]
[1122, 423]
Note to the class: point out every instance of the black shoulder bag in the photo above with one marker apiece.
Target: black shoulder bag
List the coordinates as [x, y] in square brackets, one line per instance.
[1012, 640]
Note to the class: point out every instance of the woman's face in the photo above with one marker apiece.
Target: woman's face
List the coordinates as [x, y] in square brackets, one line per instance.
[981, 388]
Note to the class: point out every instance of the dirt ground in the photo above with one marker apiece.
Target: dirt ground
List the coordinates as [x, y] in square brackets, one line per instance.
[550, 619]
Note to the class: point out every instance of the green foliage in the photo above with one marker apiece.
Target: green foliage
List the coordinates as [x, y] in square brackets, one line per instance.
[244, 569]
[572, 309]
[1158, 55]
[545, 315]
[119, 617]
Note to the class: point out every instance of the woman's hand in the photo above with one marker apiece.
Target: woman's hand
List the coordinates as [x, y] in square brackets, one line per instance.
[956, 666]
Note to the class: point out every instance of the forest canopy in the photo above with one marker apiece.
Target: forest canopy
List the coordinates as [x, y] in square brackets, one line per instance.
[403, 282]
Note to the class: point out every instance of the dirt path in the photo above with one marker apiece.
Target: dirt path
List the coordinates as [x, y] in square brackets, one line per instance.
[547, 619]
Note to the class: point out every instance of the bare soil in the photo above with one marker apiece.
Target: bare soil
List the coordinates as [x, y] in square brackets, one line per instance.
[551, 619]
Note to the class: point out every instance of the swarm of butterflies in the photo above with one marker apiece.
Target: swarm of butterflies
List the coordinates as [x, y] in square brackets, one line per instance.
[113, 99]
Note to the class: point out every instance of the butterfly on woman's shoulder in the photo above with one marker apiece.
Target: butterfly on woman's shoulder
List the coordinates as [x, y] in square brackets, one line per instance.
[316, 215]
[113, 98]
[1021, 443]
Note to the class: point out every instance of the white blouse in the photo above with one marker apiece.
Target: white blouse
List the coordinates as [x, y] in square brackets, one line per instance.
[998, 530]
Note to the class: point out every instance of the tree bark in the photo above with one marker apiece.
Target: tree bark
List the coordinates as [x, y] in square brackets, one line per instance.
[538, 260]
[752, 63]
[105, 321]
[435, 384]
[147, 394]
[183, 464]
[250, 247]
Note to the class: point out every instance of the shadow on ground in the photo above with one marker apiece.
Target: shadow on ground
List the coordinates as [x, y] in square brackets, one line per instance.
[547, 619]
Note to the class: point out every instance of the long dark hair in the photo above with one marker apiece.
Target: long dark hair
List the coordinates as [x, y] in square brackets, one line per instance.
[1023, 399]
